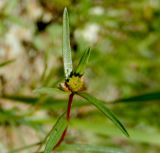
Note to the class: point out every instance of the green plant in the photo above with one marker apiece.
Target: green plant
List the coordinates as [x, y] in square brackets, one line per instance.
[126, 44]
[73, 85]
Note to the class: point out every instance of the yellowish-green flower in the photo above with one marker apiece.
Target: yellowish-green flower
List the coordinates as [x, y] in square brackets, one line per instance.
[74, 83]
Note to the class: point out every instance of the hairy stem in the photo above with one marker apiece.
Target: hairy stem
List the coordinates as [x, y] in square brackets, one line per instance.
[67, 117]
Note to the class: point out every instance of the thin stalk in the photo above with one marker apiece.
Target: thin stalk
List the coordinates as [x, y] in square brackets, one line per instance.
[25, 147]
[68, 118]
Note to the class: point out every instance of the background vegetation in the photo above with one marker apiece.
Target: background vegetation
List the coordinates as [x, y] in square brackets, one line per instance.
[125, 39]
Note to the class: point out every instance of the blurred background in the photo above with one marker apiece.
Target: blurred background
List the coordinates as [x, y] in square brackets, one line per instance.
[125, 61]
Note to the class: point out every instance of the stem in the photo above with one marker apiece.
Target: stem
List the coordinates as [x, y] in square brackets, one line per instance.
[67, 117]
[69, 106]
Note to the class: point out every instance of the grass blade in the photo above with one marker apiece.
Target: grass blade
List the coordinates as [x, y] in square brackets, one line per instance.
[67, 58]
[154, 96]
[50, 102]
[83, 62]
[6, 62]
[90, 148]
[55, 133]
[101, 106]
[21, 98]
[48, 90]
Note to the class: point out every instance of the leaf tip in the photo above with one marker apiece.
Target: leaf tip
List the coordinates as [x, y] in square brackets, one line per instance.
[65, 12]
[65, 9]
[83, 62]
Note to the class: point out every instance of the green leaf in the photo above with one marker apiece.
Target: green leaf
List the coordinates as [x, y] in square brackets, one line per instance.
[101, 106]
[83, 62]
[56, 133]
[154, 96]
[90, 148]
[6, 62]
[138, 135]
[21, 98]
[50, 102]
[48, 90]
[67, 58]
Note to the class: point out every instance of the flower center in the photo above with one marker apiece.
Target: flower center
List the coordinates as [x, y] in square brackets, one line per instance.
[75, 83]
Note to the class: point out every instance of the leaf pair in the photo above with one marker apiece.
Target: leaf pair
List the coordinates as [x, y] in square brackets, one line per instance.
[94, 101]
[67, 57]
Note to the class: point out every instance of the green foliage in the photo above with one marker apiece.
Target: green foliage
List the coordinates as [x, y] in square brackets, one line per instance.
[48, 91]
[67, 58]
[123, 70]
[55, 134]
[83, 62]
[101, 106]
[154, 96]
[73, 83]
[90, 148]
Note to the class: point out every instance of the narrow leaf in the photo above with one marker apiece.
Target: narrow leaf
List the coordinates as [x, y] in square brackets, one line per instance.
[20, 98]
[83, 62]
[55, 134]
[90, 148]
[154, 96]
[50, 102]
[47, 90]
[67, 58]
[6, 62]
[101, 106]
